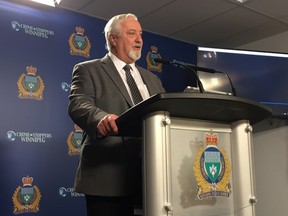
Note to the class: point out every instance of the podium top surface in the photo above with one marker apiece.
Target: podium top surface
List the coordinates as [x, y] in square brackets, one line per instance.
[199, 106]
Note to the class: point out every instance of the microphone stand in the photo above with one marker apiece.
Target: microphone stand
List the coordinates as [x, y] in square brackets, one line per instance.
[199, 83]
[191, 68]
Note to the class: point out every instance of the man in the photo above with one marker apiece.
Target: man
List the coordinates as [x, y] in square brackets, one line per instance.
[109, 172]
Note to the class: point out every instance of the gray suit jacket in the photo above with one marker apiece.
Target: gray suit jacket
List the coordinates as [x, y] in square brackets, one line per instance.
[107, 167]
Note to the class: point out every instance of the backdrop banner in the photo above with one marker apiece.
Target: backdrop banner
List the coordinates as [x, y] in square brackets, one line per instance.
[39, 143]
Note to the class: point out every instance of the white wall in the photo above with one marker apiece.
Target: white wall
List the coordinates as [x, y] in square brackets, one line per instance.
[277, 43]
[271, 147]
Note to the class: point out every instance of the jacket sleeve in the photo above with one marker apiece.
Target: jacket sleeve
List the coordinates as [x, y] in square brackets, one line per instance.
[81, 108]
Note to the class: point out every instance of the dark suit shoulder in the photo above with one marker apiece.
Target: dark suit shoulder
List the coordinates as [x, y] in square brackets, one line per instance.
[89, 62]
[95, 62]
[90, 65]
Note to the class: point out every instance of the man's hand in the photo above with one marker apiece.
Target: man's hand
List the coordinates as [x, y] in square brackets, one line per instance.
[107, 126]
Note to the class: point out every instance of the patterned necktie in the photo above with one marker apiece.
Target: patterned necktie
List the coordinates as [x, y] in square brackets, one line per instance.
[136, 96]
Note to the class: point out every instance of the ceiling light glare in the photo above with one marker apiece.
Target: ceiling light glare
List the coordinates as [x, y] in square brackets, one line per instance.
[240, 1]
[48, 2]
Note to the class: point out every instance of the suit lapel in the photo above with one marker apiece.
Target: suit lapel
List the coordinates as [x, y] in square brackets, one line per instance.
[111, 70]
[144, 78]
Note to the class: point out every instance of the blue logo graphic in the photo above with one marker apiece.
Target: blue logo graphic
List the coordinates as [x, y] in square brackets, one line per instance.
[65, 86]
[68, 192]
[11, 135]
[15, 25]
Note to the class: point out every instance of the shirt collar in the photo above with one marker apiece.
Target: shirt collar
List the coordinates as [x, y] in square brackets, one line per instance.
[118, 63]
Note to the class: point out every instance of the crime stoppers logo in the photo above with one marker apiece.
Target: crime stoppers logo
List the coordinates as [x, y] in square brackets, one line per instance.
[212, 169]
[28, 137]
[68, 192]
[31, 30]
[29, 85]
[79, 44]
[26, 198]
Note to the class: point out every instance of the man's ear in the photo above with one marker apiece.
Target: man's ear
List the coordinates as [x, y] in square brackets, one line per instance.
[112, 39]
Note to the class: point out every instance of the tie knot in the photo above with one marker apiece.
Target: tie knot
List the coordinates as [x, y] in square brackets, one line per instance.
[127, 68]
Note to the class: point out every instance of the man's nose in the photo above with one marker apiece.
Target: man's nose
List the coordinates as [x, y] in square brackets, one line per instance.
[139, 38]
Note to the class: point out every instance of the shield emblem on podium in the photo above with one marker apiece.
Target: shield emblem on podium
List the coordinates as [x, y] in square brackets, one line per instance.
[212, 169]
[212, 163]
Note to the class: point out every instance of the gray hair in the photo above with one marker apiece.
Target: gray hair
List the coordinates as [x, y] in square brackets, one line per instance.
[113, 26]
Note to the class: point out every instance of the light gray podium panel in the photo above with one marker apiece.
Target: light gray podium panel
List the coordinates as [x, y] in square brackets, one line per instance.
[187, 141]
[243, 167]
[173, 183]
[155, 176]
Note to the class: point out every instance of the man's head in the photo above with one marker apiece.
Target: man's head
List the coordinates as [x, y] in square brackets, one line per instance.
[123, 35]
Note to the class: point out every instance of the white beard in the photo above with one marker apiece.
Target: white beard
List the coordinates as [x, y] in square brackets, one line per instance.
[134, 55]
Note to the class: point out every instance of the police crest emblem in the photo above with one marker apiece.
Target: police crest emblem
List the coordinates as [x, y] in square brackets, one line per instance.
[212, 169]
[74, 141]
[26, 199]
[79, 44]
[29, 85]
[151, 64]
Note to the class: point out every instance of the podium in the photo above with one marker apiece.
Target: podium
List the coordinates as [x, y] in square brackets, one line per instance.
[197, 153]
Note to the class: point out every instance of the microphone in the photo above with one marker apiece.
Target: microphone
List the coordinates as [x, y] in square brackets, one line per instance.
[161, 61]
[183, 64]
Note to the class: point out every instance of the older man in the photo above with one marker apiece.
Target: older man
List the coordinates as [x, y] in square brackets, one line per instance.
[109, 170]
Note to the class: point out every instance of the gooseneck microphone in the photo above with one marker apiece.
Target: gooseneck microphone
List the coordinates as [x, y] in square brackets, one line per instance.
[175, 62]
[194, 68]
[185, 66]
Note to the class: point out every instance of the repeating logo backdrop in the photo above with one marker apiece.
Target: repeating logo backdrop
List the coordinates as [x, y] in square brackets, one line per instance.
[39, 144]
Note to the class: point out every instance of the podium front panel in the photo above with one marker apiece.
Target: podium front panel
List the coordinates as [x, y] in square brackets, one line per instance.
[191, 193]
[194, 167]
